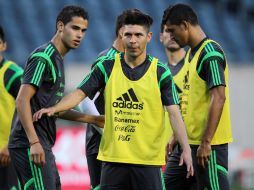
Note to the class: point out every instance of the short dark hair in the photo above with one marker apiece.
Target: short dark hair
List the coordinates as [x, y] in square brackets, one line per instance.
[119, 24]
[178, 13]
[135, 16]
[2, 35]
[70, 11]
[164, 17]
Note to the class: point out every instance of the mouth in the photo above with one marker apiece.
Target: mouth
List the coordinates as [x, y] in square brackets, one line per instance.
[76, 42]
[133, 48]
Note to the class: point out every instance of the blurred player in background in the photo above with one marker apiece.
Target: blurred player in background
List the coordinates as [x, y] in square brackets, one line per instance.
[87, 106]
[204, 105]
[10, 81]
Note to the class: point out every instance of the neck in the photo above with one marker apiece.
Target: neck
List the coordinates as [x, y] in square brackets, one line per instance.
[134, 61]
[62, 49]
[1, 58]
[174, 57]
[118, 45]
[197, 35]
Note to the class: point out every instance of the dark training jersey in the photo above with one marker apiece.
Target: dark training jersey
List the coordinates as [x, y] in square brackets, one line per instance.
[96, 80]
[176, 68]
[12, 78]
[45, 71]
[93, 137]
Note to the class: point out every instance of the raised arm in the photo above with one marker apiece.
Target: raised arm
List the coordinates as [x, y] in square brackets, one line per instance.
[69, 101]
[73, 115]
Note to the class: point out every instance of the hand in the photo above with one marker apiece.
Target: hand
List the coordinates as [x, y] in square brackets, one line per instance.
[5, 158]
[37, 154]
[169, 146]
[48, 111]
[99, 121]
[187, 159]
[203, 154]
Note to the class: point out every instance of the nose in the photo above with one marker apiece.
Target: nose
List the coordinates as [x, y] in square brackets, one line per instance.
[133, 39]
[80, 34]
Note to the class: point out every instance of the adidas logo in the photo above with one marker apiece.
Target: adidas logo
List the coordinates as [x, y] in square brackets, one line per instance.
[128, 100]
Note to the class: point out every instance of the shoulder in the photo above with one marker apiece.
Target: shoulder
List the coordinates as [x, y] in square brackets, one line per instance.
[15, 68]
[105, 55]
[42, 52]
[213, 49]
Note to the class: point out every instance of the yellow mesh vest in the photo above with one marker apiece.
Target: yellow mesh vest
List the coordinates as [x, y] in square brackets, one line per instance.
[179, 81]
[196, 101]
[134, 119]
[7, 106]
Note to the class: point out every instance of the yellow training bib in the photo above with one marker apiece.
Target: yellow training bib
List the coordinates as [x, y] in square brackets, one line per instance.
[134, 119]
[7, 106]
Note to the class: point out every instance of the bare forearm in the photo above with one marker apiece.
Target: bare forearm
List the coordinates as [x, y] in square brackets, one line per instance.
[214, 116]
[73, 115]
[69, 101]
[25, 115]
[179, 129]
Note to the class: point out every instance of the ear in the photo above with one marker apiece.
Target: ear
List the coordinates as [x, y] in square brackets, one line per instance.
[120, 33]
[60, 26]
[149, 36]
[3, 47]
[185, 25]
[160, 37]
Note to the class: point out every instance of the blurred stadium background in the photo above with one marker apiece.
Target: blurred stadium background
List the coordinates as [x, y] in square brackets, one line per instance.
[30, 23]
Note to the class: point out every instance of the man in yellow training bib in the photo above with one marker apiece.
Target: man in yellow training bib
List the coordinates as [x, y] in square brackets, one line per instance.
[204, 105]
[137, 86]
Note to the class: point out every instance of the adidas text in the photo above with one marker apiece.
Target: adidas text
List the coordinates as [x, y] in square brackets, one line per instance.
[129, 105]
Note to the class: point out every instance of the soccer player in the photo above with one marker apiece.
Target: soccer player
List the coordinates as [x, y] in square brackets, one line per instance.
[30, 144]
[205, 102]
[87, 106]
[175, 61]
[136, 88]
[175, 55]
[10, 81]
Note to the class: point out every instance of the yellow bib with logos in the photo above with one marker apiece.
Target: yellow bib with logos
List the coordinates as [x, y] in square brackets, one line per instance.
[7, 106]
[134, 118]
[196, 101]
[179, 81]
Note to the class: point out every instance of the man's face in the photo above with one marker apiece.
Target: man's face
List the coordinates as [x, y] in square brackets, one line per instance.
[135, 39]
[167, 41]
[73, 32]
[179, 33]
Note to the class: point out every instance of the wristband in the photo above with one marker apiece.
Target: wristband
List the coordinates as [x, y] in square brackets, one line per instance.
[34, 142]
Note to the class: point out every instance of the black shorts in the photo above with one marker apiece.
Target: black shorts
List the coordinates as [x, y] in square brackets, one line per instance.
[32, 177]
[214, 176]
[94, 168]
[118, 176]
[8, 177]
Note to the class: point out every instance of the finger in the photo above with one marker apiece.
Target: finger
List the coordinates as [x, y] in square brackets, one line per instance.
[43, 161]
[39, 114]
[34, 117]
[191, 172]
[181, 161]
[188, 171]
[202, 162]
[199, 160]
[36, 159]
[5, 160]
[9, 160]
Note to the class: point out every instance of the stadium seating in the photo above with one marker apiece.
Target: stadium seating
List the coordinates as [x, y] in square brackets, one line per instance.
[29, 24]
